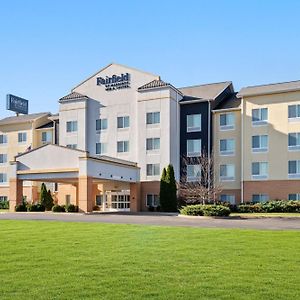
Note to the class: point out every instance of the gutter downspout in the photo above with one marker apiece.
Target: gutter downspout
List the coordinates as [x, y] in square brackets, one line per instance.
[208, 144]
[242, 152]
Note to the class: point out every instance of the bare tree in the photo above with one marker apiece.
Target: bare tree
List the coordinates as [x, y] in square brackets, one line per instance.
[200, 187]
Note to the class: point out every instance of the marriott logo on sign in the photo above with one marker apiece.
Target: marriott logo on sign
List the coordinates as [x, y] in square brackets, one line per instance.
[115, 82]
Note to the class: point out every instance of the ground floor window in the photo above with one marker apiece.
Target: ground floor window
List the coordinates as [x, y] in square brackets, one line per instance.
[3, 198]
[99, 200]
[227, 198]
[120, 201]
[68, 199]
[294, 196]
[152, 200]
[260, 197]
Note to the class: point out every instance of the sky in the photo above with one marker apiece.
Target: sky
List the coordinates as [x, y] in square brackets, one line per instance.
[48, 47]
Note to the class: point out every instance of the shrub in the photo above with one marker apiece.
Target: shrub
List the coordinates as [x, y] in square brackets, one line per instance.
[21, 207]
[4, 204]
[36, 207]
[58, 208]
[71, 208]
[96, 208]
[151, 208]
[205, 210]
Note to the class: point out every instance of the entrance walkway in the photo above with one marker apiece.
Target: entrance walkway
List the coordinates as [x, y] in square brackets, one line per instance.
[161, 220]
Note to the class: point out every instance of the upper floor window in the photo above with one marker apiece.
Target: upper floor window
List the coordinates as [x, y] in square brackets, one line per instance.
[193, 122]
[227, 121]
[123, 146]
[294, 141]
[72, 126]
[227, 147]
[152, 200]
[260, 170]
[101, 124]
[153, 117]
[72, 146]
[153, 169]
[227, 198]
[22, 137]
[294, 111]
[123, 122]
[193, 148]
[101, 148]
[294, 197]
[153, 144]
[260, 197]
[227, 172]
[3, 177]
[294, 169]
[3, 158]
[3, 139]
[259, 116]
[46, 136]
[260, 143]
[193, 173]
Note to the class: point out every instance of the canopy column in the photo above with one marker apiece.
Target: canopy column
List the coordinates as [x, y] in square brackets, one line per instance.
[85, 193]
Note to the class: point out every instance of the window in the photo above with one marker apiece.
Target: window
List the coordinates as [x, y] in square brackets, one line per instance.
[123, 146]
[153, 117]
[193, 122]
[99, 200]
[101, 124]
[22, 137]
[72, 146]
[3, 177]
[227, 147]
[294, 169]
[46, 137]
[227, 121]
[260, 170]
[152, 200]
[153, 169]
[259, 116]
[227, 198]
[260, 198]
[294, 112]
[101, 148]
[227, 172]
[193, 148]
[3, 158]
[123, 122]
[153, 144]
[3, 139]
[295, 197]
[3, 198]
[68, 199]
[71, 126]
[294, 141]
[193, 173]
[260, 143]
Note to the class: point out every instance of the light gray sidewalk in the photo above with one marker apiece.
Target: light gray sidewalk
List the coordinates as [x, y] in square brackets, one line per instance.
[160, 219]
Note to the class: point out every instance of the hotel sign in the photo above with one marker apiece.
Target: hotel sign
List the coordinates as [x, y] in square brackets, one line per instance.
[16, 104]
[115, 82]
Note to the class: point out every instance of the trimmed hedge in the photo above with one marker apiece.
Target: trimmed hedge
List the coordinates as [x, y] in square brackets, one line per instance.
[205, 210]
[36, 207]
[71, 208]
[4, 204]
[280, 206]
[58, 208]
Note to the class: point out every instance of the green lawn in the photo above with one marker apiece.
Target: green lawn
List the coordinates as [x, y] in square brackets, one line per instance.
[269, 215]
[57, 260]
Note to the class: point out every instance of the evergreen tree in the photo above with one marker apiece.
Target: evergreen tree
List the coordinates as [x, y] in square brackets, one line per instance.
[163, 195]
[171, 184]
[45, 197]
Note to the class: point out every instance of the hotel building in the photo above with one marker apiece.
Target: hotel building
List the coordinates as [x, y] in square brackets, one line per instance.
[119, 128]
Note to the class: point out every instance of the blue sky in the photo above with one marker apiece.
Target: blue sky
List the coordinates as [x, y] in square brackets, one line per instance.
[47, 47]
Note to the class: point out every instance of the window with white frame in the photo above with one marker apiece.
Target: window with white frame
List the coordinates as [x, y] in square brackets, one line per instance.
[152, 144]
[3, 177]
[3, 158]
[260, 143]
[259, 116]
[22, 137]
[193, 122]
[294, 141]
[260, 170]
[227, 147]
[3, 139]
[294, 112]
[294, 169]
[123, 122]
[123, 146]
[227, 172]
[193, 148]
[101, 124]
[153, 117]
[193, 173]
[72, 126]
[152, 200]
[294, 197]
[3, 198]
[101, 148]
[153, 169]
[260, 198]
[227, 121]
[46, 137]
[72, 146]
[227, 198]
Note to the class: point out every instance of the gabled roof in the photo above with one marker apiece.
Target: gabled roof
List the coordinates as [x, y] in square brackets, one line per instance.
[46, 126]
[72, 96]
[231, 102]
[154, 84]
[23, 118]
[274, 88]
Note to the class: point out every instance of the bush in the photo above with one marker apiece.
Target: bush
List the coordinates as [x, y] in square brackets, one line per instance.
[21, 207]
[36, 207]
[4, 204]
[280, 206]
[96, 208]
[58, 208]
[71, 208]
[151, 208]
[205, 210]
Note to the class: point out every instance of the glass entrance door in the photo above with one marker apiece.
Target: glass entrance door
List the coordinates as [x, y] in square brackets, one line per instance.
[119, 201]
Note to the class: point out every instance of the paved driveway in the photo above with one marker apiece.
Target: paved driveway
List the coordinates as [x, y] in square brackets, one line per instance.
[161, 219]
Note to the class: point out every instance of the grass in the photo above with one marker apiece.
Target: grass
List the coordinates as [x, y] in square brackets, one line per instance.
[3, 210]
[281, 215]
[57, 260]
